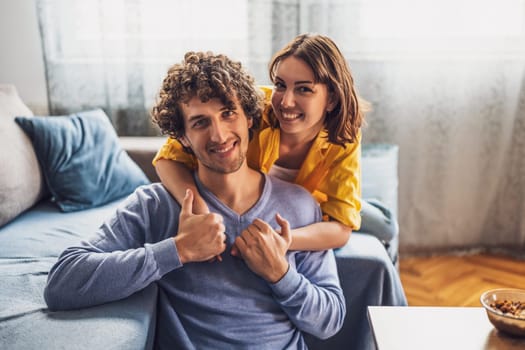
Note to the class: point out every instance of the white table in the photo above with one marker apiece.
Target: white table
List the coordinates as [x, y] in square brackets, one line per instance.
[444, 328]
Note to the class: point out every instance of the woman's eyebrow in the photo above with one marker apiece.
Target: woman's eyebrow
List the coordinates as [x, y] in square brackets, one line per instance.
[303, 82]
[296, 82]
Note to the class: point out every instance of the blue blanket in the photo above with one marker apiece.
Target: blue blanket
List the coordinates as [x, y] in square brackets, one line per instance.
[29, 246]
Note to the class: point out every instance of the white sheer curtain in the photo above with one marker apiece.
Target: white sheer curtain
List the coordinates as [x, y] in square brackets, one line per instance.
[447, 82]
[446, 79]
[114, 53]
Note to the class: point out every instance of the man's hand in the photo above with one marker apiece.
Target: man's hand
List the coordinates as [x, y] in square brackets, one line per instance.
[264, 250]
[200, 237]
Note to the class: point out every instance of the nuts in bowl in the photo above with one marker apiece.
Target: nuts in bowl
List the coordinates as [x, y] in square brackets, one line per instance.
[506, 309]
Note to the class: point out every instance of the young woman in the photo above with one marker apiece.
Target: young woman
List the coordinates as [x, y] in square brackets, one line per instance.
[311, 136]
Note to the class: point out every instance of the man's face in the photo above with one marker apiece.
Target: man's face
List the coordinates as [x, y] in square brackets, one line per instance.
[217, 135]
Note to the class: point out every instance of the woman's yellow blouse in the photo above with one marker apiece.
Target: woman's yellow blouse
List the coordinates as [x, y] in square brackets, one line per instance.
[331, 173]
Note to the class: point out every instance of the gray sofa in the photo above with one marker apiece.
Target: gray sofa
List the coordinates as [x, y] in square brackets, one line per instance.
[34, 231]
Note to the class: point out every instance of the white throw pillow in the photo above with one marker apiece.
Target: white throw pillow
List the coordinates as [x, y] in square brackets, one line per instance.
[21, 184]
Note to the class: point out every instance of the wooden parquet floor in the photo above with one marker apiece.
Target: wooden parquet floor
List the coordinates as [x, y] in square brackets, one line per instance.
[458, 280]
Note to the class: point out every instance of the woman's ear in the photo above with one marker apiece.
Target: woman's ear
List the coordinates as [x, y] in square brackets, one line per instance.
[332, 102]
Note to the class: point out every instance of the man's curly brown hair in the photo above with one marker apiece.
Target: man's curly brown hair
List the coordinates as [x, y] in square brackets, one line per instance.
[206, 76]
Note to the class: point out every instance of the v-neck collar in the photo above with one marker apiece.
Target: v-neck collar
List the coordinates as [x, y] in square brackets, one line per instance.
[226, 211]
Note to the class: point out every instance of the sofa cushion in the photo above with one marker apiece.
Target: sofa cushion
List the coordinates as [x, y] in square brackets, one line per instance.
[20, 177]
[81, 159]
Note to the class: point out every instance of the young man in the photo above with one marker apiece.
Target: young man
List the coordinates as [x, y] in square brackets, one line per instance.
[265, 296]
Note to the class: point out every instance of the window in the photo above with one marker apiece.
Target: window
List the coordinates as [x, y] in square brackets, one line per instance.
[157, 31]
[453, 28]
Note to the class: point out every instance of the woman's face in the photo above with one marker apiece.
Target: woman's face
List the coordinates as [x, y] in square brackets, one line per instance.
[298, 102]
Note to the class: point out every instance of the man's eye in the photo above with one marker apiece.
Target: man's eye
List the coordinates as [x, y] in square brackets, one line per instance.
[198, 124]
[228, 114]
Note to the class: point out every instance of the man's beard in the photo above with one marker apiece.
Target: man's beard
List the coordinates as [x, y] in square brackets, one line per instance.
[220, 166]
[224, 168]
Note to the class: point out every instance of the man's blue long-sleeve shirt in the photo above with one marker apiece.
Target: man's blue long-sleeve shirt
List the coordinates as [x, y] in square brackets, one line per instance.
[205, 305]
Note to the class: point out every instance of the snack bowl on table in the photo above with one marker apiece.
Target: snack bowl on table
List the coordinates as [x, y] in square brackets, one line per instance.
[506, 309]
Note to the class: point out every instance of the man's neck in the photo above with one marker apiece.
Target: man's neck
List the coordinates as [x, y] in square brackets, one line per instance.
[239, 190]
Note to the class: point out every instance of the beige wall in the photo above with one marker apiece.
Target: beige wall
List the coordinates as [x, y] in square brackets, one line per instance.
[21, 61]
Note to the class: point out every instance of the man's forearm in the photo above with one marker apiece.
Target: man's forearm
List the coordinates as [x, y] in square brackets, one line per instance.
[86, 276]
[118, 260]
[315, 304]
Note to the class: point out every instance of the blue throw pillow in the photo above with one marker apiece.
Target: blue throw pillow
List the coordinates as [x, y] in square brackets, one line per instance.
[81, 159]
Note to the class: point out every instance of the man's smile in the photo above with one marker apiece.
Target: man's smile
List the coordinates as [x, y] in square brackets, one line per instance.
[223, 149]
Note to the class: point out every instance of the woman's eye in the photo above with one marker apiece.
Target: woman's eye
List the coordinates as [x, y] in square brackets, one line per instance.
[279, 86]
[304, 89]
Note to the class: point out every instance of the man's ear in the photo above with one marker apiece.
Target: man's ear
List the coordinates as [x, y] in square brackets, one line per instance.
[250, 122]
[184, 141]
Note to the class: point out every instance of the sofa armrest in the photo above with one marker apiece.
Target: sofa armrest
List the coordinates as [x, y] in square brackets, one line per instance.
[380, 195]
[142, 150]
[379, 167]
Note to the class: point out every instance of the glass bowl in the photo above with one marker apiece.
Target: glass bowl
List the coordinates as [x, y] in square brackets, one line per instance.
[508, 322]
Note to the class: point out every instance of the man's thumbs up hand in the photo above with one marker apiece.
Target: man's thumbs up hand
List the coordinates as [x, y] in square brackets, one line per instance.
[187, 205]
[200, 237]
